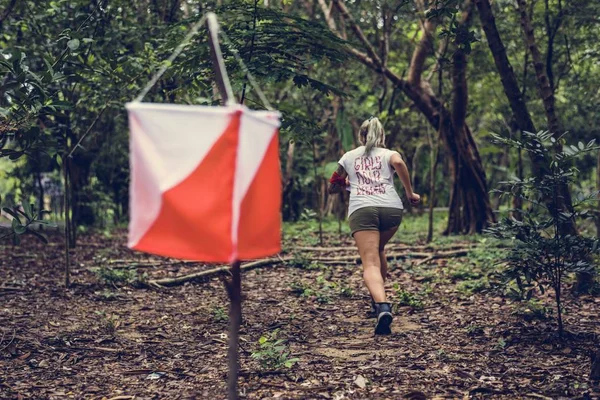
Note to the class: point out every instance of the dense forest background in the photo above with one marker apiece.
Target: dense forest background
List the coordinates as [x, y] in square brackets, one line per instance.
[432, 71]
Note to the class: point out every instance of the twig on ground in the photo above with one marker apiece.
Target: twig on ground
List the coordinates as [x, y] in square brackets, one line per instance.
[9, 343]
[215, 271]
[449, 254]
[10, 289]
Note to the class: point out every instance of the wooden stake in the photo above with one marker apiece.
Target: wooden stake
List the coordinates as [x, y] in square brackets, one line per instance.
[235, 320]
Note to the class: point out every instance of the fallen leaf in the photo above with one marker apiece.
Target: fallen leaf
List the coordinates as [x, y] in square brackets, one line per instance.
[155, 375]
[360, 382]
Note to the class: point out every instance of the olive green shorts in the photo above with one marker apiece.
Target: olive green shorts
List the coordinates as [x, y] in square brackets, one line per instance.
[375, 219]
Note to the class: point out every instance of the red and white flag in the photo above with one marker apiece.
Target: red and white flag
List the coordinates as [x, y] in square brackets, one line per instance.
[205, 182]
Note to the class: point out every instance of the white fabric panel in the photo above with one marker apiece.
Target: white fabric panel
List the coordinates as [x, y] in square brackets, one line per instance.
[257, 129]
[168, 142]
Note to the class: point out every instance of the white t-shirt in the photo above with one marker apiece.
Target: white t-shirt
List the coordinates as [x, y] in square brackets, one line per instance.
[371, 178]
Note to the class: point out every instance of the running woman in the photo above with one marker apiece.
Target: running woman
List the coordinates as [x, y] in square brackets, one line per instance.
[375, 209]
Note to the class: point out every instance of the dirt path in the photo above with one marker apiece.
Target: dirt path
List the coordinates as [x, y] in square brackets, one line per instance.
[98, 342]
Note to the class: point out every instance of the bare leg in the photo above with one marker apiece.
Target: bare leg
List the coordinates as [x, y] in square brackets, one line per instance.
[385, 237]
[368, 248]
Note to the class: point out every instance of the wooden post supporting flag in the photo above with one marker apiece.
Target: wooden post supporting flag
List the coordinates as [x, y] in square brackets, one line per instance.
[206, 183]
[234, 286]
[235, 321]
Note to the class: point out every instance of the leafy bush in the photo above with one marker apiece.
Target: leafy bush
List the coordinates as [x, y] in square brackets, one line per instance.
[23, 219]
[116, 276]
[544, 250]
[273, 353]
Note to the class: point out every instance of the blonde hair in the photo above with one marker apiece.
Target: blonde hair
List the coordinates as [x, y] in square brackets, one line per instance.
[371, 134]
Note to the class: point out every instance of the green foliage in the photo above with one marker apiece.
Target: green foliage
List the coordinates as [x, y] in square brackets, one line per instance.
[544, 249]
[321, 291]
[531, 310]
[273, 353]
[219, 314]
[120, 276]
[24, 218]
[346, 291]
[406, 298]
[470, 287]
[304, 263]
[474, 330]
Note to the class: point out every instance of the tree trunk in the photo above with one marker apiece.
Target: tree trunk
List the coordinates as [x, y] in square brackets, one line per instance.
[38, 175]
[235, 321]
[83, 212]
[598, 188]
[546, 91]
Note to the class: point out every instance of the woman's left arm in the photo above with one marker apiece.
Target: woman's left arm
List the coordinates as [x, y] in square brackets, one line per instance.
[337, 182]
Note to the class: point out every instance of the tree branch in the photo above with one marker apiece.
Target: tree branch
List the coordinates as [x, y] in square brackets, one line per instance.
[359, 33]
[327, 13]
[460, 97]
[423, 49]
[507, 75]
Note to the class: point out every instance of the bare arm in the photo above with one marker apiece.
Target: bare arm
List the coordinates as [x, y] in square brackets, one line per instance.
[334, 187]
[402, 170]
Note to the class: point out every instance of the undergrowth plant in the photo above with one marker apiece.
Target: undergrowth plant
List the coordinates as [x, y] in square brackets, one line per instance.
[273, 352]
[406, 298]
[120, 276]
[219, 314]
[544, 252]
[24, 218]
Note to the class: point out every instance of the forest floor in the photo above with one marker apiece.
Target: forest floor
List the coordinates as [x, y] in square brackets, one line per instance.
[456, 333]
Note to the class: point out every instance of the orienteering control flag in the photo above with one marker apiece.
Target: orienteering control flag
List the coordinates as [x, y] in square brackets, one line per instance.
[205, 182]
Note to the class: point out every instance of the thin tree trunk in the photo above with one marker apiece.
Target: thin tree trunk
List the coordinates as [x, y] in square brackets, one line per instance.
[434, 158]
[38, 175]
[598, 188]
[318, 195]
[517, 200]
[507, 75]
[289, 162]
[546, 91]
[67, 223]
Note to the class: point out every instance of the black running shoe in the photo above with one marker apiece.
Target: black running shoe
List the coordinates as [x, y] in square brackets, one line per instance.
[384, 319]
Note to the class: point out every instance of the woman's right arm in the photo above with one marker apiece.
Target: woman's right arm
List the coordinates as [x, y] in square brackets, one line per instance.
[335, 187]
[402, 170]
